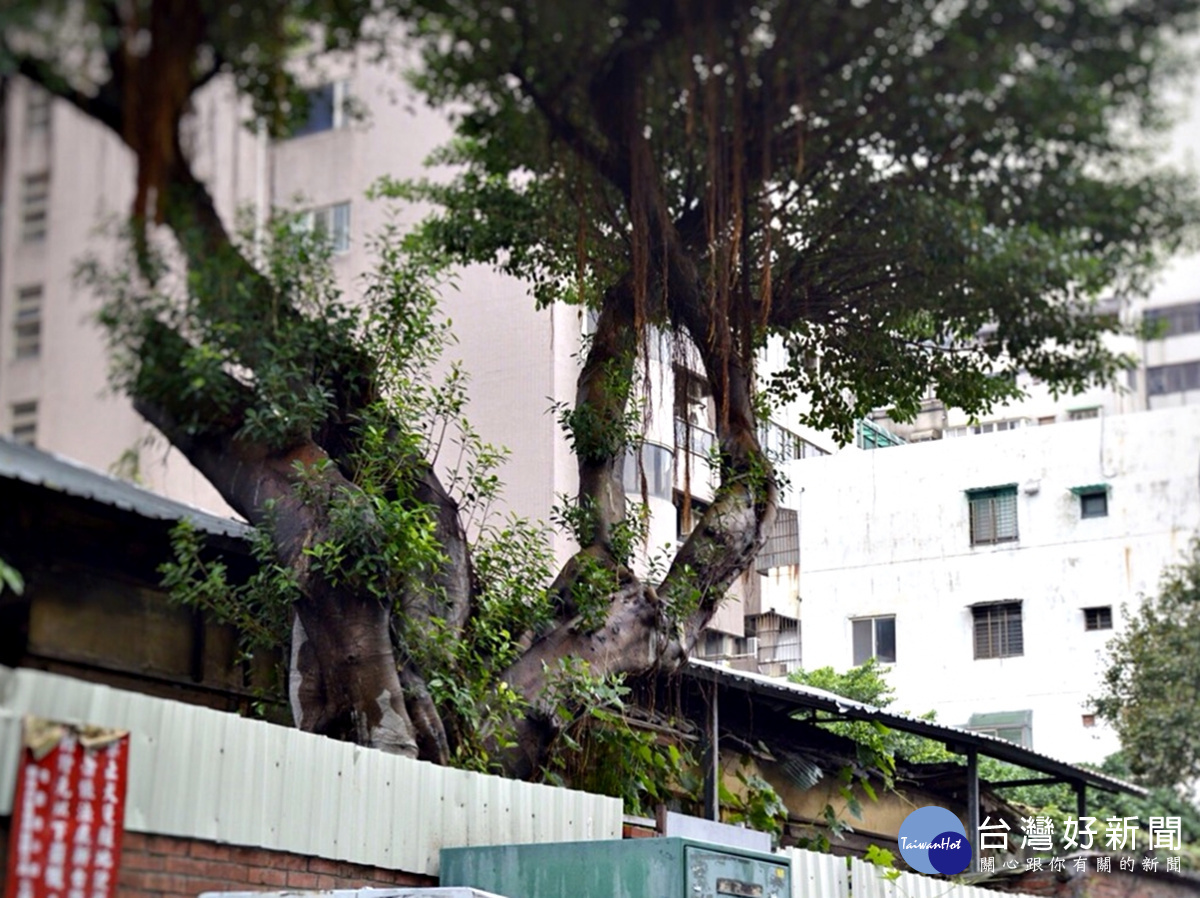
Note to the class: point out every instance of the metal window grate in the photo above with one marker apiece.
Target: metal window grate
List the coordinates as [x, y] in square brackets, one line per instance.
[993, 515]
[1098, 618]
[37, 110]
[27, 323]
[782, 548]
[35, 201]
[24, 423]
[778, 639]
[998, 631]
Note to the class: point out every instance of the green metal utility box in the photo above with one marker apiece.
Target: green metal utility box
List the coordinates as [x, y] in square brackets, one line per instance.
[669, 867]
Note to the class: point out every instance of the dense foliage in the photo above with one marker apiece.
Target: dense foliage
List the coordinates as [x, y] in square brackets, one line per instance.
[1152, 685]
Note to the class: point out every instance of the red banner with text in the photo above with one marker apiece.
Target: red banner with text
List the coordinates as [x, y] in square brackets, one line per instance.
[68, 812]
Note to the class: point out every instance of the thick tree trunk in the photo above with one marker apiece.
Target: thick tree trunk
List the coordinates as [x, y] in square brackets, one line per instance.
[346, 683]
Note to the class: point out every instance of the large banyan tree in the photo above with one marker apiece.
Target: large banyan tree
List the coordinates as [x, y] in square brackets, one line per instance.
[911, 197]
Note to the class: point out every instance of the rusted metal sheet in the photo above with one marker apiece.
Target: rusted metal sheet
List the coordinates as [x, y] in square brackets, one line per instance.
[199, 773]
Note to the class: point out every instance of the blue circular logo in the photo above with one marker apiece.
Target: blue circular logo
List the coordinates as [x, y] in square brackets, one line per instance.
[932, 840]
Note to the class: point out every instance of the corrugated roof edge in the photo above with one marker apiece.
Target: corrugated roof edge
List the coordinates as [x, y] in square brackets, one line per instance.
[45, 469]
[809, 697]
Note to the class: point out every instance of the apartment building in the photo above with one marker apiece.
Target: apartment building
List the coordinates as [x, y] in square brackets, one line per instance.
[988, 573]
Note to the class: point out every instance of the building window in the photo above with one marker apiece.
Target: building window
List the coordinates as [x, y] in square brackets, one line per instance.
[655, 466]
[35, 201]
[987, 427]
[777, 639]
[1089, 720]
[874, 637]
[1093, 500]
[998, 632]
[782, 548]
[24, 423]
[27, 323]
[1012, 726]
[687, 515]
[1083, 414]
[325, 109]
[714, 644]
[993, 515]
[1173, 378]
[1173, 321]
[1098, 618]
[782, 445]
[37, 110]
[333, 222]
[869, 435]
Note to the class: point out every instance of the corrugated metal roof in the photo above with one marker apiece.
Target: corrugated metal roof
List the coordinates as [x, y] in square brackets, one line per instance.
[200, 773]
[38, 468]
[798, 697]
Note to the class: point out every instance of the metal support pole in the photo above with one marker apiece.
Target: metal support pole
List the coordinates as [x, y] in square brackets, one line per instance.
[712, 779]
[973, 804]
[1080, 797]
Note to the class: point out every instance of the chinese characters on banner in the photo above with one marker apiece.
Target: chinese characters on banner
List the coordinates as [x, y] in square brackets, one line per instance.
[1081, 834]
[68, 812]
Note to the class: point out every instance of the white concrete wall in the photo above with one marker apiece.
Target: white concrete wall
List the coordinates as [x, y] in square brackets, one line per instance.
[887, 532]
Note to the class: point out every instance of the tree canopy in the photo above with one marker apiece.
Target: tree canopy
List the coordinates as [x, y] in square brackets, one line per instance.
[1151, 692]
[912, 197]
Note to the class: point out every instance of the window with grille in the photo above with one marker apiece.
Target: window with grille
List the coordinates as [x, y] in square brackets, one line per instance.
[874, 637]
[35, 202]
[993, 515]
[37, 110]
[1098, 618]
[24, 423]
[778, 639]
[782, 548]
[27, 323]
[998, 631]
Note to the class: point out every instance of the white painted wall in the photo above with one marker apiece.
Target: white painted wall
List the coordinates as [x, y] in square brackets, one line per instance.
[887, 532]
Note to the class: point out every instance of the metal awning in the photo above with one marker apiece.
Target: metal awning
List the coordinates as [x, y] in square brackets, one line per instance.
[990, 489]
[790, 697]
[44, 469]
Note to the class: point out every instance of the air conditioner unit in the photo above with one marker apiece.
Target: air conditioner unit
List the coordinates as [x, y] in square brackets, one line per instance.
[924, 436]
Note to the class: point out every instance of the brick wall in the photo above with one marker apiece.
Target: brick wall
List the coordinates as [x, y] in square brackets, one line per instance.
[166, 867]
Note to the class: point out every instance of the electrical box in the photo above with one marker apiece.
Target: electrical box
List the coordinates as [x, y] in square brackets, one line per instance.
[623, 868]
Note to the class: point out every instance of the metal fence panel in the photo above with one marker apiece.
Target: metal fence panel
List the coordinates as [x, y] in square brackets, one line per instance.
[199, 773]
[817, 875]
